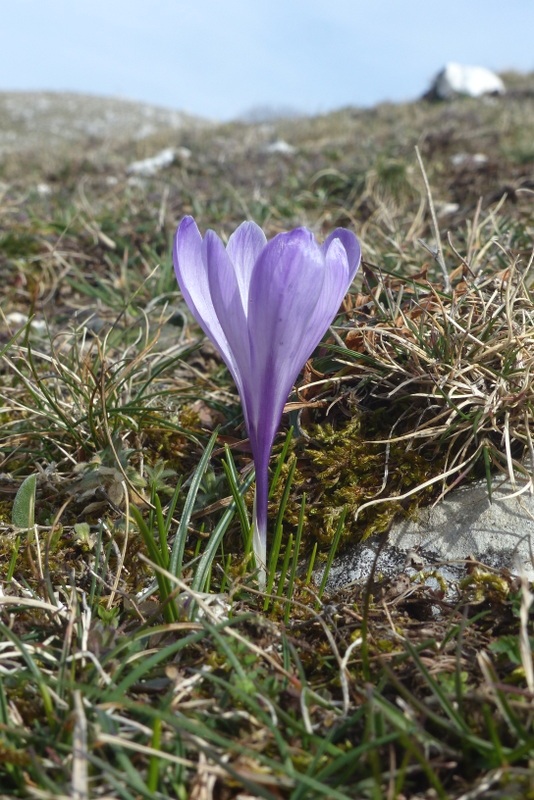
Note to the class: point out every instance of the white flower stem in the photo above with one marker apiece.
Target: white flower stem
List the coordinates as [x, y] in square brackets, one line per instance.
[259, 542]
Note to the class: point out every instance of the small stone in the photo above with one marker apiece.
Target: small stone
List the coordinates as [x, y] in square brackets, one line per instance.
[469, 160]
[444, 209]
[459, 79]
[17, 320]
[151, 166]
[282, 147]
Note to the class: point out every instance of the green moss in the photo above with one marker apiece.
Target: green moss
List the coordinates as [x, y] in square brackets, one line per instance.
[13, 755]
[486, 585]
[350, 464]
[5, 512]
[171, 443]
[18, 243]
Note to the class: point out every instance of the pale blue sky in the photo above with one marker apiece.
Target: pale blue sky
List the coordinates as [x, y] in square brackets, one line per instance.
[219, 58]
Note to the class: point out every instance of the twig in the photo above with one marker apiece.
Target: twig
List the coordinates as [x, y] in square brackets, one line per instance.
[438, 255]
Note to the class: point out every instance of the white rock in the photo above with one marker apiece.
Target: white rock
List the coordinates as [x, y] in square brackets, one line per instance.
[280, 147]
[151, 166]
[457, 79]
[16, 320]
[444, 209]
[469, 160]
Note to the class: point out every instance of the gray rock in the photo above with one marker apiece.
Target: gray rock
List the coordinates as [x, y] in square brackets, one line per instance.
[465, 525]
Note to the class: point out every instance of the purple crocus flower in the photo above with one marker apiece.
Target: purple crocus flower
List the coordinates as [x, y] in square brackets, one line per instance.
[265, 306]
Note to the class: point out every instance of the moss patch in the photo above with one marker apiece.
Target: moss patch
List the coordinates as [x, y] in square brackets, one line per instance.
[351, 463]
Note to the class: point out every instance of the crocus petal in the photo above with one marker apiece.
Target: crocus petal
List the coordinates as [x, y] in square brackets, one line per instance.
[351, 245]
[191, 270]
[284, 289]
[226, 300]
[244, 248]
[340, 268]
